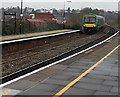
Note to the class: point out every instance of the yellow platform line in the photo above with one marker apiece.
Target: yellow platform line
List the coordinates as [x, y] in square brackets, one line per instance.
[84, 74]
[87, 52]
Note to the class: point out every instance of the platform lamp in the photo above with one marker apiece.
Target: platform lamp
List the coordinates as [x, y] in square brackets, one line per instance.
[64, 13]
[21, 17]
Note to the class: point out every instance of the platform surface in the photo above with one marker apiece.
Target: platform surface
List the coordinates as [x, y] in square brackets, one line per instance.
[13, 37]
[103, 80]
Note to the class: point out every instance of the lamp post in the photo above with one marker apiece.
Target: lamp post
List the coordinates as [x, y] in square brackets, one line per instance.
[64, 13]
[21, 17]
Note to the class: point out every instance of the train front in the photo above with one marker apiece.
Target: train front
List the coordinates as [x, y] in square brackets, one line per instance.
[89, 23]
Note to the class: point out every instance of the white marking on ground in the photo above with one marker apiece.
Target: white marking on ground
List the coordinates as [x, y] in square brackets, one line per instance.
[44, 36]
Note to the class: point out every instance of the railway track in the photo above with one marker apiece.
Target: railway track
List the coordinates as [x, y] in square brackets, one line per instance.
[17, 45]
[51, 60]
[43, 54]
[35, 50]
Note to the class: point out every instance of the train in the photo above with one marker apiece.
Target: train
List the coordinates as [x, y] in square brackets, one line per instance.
[92, 23]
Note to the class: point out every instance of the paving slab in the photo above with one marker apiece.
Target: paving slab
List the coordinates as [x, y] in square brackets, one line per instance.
[63, 77]
[114, 89]
[92, 80]
[76, 70]
[21, 85]
[56, 82]
[114, 74]
[103, 93]
[110, 83]
[93, 86]
[99, 72]
[70, 73]
[107, 70]
[79, 91]
[103, 77]
[45, 87]
[35, 92]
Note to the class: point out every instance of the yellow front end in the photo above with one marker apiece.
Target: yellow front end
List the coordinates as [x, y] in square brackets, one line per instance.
[89, 25]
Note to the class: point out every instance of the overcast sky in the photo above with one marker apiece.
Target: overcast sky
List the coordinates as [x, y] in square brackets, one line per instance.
[61, 0]
[76, 4]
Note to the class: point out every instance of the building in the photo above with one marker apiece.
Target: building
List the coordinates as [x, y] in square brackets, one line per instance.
[43, 20]
[44, 16]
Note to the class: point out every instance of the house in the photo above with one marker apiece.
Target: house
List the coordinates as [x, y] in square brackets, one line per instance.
[42, 20]
[39, 23]
[44, 16]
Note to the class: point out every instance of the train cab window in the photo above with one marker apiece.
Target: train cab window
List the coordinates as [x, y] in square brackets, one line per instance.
[89, 19]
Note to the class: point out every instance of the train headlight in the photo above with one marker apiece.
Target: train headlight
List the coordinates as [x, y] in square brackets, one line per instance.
[94, 26]
[84, 25]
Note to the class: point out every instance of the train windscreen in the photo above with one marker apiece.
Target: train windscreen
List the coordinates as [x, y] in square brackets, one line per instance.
[89, 19]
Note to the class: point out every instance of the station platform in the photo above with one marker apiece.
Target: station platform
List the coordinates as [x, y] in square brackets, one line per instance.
[13, 37]
[66, 78]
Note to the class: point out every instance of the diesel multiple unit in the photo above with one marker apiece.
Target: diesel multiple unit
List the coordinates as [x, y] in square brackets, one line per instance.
[92, 23]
